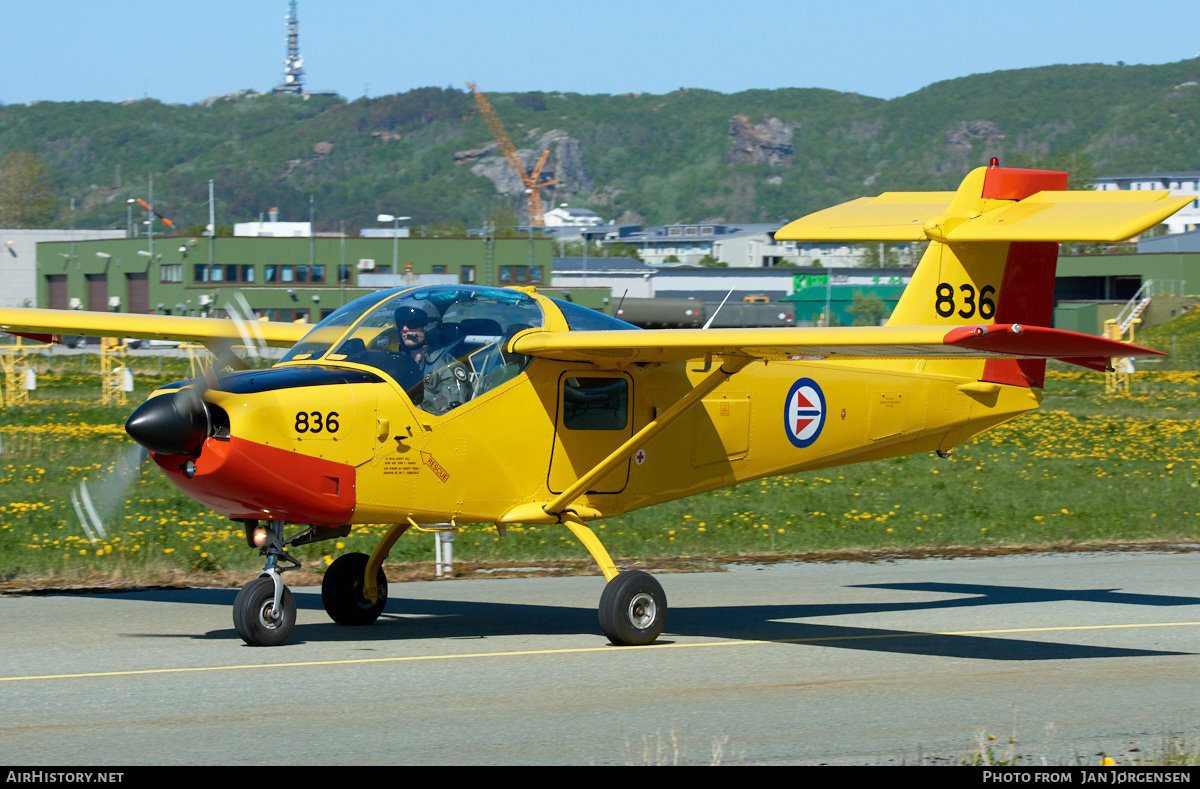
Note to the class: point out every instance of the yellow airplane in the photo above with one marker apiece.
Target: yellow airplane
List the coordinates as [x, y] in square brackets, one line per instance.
[465, 404]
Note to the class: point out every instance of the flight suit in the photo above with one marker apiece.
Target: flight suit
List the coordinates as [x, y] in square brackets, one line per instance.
[446, 385]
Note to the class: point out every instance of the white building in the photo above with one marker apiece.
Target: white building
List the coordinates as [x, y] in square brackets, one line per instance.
[1181, 183]
[18, 259]
[628, 278]
[565, 216]
[385, 232]
[273, 229]
[738, 246]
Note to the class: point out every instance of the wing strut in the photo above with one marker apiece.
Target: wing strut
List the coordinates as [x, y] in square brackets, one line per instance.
[556, 510]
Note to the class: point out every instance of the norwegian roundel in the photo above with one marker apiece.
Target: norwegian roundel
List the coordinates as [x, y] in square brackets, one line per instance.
[804, 412]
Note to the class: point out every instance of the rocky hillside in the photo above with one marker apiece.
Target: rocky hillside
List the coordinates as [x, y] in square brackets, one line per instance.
[689, 155]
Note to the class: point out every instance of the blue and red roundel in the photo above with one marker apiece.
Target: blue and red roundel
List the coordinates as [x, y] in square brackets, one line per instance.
[804, 412]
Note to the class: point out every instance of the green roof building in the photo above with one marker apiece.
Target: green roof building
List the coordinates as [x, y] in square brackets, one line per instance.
[810, 303]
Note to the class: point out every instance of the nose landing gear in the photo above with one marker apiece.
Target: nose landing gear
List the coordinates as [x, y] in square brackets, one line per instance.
[259, 619]
[264, 611]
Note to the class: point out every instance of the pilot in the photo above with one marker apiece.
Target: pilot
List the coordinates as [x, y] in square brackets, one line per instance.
[445, 382]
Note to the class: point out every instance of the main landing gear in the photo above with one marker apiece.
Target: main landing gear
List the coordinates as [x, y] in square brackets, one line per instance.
[633, 606]
[633, 609]
[342, 591]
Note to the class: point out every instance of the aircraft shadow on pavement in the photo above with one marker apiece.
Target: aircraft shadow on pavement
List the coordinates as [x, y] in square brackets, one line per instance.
[420, 619]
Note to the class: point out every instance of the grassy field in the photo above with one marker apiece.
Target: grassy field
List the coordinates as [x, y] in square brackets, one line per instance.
[1087, 469]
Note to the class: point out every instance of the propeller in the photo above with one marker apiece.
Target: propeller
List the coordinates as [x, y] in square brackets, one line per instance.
[170, 424]
[95, 510]
[178, 425]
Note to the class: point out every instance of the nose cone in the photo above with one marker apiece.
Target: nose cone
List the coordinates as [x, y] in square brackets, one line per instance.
[170, 424]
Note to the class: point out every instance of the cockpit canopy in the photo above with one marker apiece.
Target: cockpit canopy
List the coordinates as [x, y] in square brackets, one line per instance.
[444, 345]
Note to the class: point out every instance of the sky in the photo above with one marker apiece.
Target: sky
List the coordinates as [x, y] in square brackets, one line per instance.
[182, 52]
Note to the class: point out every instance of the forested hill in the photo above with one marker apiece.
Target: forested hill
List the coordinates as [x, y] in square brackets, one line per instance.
[690, 155]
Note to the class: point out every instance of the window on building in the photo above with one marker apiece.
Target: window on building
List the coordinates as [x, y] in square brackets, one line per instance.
[281, 273]
[439, 269]
[344, 273]
[285, 314]
[172, 272]
[466, 275]
[239, 273]
[517, 275]
[220, 272]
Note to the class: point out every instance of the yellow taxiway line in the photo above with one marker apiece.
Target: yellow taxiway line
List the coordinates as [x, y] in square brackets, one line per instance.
[579, 650]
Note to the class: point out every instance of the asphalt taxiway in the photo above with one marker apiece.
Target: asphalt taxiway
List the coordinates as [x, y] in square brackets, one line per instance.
[795, 663]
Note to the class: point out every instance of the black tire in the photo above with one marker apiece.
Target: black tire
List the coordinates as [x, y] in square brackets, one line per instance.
[254, 618]
[633, 609]
[342, 591]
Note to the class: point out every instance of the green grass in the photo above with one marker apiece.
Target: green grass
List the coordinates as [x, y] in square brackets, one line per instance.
[1086, 469]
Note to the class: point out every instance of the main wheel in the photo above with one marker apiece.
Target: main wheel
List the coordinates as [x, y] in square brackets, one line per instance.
[342, 591]
[255, 617]
[633, 609]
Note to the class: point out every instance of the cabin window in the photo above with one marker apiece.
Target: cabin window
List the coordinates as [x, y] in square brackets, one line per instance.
[595, 403]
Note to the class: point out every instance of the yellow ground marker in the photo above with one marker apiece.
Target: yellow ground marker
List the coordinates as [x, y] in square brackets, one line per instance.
[580, 650]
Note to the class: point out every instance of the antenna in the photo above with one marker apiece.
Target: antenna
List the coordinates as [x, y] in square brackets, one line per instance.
[293, 64]
[622, 301]
[713, 317]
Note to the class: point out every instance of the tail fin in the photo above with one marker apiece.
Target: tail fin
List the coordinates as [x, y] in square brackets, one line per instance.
[993, 249]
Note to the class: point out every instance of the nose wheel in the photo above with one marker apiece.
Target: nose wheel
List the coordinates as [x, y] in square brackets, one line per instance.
[264, 611]
[258, 619]
[633, 609]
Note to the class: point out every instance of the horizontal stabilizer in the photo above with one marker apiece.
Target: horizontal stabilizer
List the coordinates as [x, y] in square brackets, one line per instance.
[1001, 341]
[1072, 216]
[992, 204]
[893, 216]
[150, 327]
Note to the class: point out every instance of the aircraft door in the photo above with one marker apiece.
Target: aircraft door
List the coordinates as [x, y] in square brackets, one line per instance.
[593, 419]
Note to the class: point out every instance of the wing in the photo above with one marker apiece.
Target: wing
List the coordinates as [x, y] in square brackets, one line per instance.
[1004, 341]
[31, 322]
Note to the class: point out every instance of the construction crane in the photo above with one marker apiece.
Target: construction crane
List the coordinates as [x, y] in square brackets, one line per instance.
[530, 179]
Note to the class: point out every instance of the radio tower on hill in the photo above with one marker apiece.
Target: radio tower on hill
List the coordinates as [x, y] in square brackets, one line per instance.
[293, 64]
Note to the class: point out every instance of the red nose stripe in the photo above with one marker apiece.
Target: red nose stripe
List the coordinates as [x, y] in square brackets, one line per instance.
[243, 479]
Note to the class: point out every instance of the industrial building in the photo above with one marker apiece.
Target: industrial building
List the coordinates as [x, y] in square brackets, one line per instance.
[18, 259]
[281, 278]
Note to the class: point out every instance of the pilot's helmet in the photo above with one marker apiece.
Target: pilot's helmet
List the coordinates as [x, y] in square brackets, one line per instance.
[415, 318]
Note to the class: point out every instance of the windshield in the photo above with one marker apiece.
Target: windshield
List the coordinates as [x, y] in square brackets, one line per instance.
[330, 330]
[585, 319]
[442, 344]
